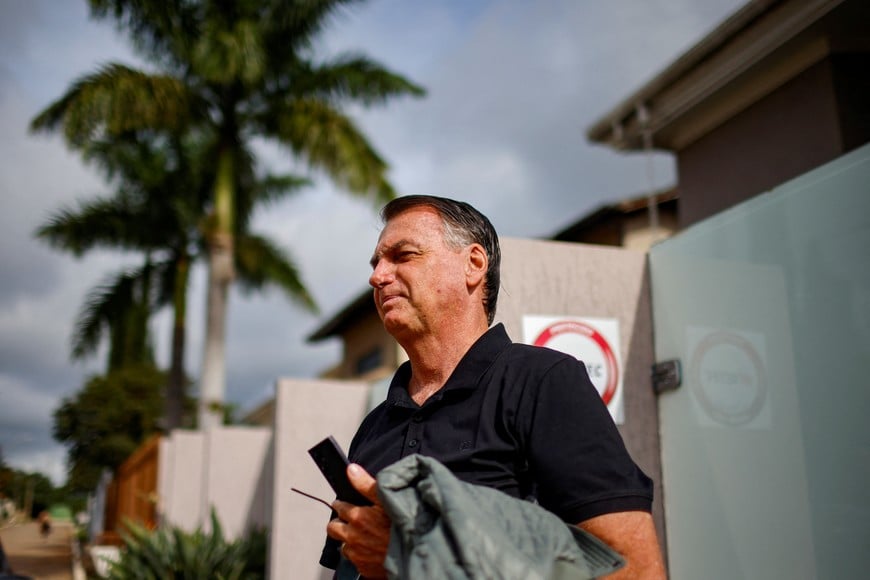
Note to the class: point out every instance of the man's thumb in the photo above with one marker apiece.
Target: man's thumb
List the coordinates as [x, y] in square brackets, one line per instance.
[363, 482]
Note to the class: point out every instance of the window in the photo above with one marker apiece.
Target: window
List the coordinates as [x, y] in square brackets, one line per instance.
[371, 360]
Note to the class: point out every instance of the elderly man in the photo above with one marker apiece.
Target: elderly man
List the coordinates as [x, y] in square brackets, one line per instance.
[521, 419]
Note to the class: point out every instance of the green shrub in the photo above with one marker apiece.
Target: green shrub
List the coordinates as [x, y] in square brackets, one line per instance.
[174, 553]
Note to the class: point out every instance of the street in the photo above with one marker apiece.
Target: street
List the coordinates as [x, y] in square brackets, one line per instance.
[42, 558]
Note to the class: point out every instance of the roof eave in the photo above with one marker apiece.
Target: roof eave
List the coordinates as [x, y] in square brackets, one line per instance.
[742, 41]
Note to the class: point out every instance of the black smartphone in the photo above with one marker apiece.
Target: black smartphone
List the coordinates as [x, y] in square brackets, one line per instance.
[332, 461]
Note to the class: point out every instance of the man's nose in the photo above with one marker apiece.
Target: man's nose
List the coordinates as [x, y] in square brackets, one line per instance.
[382, 274]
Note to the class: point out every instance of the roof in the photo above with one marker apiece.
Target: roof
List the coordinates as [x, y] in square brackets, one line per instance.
[359, 307]
[760, 47]
[620, 208]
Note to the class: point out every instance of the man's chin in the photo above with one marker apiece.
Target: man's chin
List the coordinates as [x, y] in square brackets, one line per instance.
[395, 324]
[392, 324]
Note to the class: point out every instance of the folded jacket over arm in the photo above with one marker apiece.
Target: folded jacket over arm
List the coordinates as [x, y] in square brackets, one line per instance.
[445, 528]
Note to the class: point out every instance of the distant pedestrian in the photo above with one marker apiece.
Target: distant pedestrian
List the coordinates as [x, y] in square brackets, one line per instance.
[44, 523]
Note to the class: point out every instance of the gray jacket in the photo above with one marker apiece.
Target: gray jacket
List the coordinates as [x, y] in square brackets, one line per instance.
[443, 528]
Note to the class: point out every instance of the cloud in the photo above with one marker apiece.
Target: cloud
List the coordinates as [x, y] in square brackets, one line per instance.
[26, 427]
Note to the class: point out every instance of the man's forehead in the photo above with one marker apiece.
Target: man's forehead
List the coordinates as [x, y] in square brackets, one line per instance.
[411, 223]
[409, 228]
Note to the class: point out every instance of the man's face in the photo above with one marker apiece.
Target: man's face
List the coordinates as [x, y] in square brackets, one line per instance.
[418, 280]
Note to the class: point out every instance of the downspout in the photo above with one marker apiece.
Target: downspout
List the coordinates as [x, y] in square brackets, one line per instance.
[643, 119]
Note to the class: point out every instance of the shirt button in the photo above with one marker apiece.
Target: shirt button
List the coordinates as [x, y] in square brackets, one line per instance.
[412, 443]
[417, 418]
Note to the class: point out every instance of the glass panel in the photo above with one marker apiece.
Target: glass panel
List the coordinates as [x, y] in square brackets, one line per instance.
[766, 445]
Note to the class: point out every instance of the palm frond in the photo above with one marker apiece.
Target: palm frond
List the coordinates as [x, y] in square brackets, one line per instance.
[97, 223]
[294, 25]
[162, 30]
[117, 99]
[330, 141]
[259, 262]
[223, 55]
[274, 187]
[131, 159]
[105, 305]
[354, 77]
[166, 273]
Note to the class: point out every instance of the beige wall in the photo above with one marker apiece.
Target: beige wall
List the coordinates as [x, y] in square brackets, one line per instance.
[559, 278]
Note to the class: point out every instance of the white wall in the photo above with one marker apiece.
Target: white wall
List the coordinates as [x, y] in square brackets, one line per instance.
[181, 498]
[239, 478]
[229, 468]
[306, 411]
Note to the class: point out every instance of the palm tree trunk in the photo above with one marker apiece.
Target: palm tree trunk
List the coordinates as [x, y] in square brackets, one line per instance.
[220, 275]
[176, 383]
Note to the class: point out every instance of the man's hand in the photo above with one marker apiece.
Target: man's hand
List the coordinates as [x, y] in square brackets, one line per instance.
[363, 531]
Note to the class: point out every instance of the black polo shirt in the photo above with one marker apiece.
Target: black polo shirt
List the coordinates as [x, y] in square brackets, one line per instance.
[522, 419]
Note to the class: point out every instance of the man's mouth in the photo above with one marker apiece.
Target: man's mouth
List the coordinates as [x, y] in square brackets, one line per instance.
[385, 300]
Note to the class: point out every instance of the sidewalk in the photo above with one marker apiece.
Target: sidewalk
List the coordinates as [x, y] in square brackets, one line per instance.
[29, 554]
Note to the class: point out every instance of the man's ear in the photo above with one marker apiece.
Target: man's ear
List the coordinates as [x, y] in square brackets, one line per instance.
[476, 265]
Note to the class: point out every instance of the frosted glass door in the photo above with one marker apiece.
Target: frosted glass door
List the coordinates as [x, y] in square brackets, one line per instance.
[766, 445]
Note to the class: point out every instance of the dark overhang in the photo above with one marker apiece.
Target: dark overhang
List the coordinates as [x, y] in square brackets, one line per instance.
[760, 47]
[360, 307]
[620, 209]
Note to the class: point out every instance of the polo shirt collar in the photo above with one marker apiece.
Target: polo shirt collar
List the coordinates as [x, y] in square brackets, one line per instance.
[466, 375]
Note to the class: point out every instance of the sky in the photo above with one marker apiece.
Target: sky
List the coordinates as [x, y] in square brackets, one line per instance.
[512, 87]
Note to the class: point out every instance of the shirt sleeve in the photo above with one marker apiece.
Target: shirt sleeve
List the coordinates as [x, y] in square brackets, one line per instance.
[579, 462]
[330, 555]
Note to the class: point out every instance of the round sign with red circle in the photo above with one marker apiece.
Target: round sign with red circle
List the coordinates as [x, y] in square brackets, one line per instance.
[587, 333]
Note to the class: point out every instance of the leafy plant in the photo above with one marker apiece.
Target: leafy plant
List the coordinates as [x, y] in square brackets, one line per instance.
[174, 553]
[107, 420]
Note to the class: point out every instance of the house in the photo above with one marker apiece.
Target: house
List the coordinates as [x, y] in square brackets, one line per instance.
[762, 297]
[777, 89]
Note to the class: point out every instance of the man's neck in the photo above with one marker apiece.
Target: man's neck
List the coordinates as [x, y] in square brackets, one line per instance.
[434, 357]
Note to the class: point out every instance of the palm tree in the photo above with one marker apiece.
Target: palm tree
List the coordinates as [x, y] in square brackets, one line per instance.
[236, 69]
[157, 210]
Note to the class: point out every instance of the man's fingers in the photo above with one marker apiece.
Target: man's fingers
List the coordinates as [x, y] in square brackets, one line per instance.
[337, 530]
[342, 509]
[363, 482]
[364, 531]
